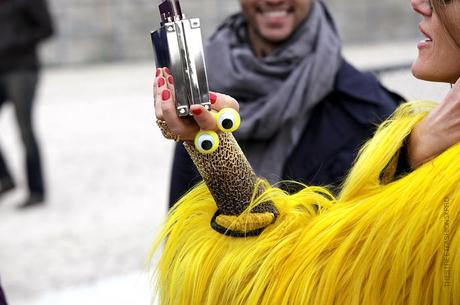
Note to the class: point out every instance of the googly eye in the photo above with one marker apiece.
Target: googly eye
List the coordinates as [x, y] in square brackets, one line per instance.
[206, 142]
[228, 120]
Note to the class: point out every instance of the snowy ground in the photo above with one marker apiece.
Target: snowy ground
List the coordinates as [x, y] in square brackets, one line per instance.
[107, 169]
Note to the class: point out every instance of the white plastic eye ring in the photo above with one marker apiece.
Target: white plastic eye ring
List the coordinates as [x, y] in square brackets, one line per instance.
[206, 142]
[228, 120]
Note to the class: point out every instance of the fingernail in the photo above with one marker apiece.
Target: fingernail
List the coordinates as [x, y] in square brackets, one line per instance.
[197, 111]
[161, 82]
[158, 72]
[165, 95]
[212, 97]
[171, 80]
[167, 70]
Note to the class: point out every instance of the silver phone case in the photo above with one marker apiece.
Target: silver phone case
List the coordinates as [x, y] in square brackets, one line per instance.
[178, 45]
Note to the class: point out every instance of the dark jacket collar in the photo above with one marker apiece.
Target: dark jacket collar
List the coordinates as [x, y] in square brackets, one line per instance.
[360, 85]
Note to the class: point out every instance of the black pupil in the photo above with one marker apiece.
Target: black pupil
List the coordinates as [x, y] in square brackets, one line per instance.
[227, 123]
[206, 144]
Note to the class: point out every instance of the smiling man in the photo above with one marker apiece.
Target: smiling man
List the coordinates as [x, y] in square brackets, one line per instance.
[272, 22]
[305, 111]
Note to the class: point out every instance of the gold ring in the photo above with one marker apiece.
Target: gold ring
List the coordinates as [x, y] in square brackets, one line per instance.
[167, 133]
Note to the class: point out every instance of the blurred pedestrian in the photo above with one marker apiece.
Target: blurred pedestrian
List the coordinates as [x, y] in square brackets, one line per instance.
[24, 24]
[2, 297]
[299, 98]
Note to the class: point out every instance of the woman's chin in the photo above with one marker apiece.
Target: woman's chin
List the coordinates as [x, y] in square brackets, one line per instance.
[420, 73]
[430, 73]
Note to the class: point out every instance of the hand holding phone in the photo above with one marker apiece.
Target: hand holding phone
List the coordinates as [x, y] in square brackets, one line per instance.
[178, 46]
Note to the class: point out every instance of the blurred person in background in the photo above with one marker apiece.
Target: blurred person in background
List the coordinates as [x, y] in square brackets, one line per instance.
[2, 297]
[24, 24]
[300, 99]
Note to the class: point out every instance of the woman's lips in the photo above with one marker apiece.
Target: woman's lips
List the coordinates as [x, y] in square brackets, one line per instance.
[425, 43]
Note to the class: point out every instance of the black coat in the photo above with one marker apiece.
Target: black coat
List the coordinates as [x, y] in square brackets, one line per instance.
[338, 127]
[23, 25]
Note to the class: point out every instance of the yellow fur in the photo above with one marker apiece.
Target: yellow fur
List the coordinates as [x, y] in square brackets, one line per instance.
[395, 243]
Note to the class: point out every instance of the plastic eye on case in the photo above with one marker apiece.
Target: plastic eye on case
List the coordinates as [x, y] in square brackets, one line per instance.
[228, 120]
[206, 141]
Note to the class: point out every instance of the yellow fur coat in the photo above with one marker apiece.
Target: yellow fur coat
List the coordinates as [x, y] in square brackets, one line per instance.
[382, 241]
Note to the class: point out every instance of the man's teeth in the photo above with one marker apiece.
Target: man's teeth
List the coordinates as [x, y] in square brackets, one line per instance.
[276, 14]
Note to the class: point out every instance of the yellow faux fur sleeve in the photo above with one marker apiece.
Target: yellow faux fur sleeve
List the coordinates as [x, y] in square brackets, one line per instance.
[377, 161]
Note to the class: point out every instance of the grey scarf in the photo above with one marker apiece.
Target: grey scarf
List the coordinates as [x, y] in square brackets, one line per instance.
[278, 92]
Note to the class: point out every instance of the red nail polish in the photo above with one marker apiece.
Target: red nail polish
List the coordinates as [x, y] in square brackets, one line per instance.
[158, 72]
[212, 97]
[165, 95]
[171, 80]
[197, 111]
[167, 70]
[161, 82]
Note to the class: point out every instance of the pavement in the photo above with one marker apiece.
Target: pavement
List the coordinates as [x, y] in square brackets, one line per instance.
[107, 169]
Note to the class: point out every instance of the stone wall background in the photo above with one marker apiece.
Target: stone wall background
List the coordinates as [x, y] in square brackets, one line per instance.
[91, 31]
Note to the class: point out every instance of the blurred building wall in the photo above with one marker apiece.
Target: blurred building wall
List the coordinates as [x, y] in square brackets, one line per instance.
[92, 31]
